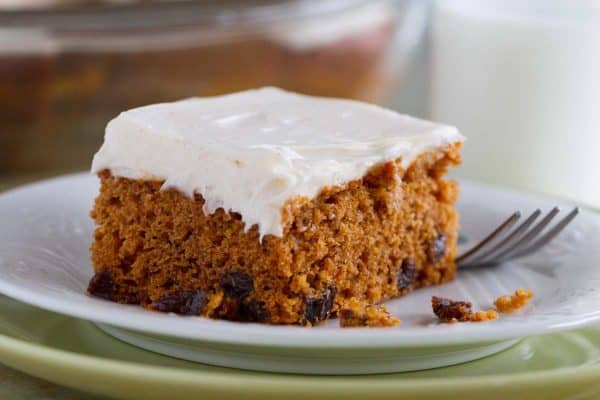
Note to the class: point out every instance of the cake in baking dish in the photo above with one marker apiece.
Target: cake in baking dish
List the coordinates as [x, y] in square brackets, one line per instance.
[271, 206]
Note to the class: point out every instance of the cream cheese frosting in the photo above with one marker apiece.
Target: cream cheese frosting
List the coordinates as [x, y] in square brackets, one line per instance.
[251, 151]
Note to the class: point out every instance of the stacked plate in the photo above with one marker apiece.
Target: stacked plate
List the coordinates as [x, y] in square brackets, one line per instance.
[53, 330]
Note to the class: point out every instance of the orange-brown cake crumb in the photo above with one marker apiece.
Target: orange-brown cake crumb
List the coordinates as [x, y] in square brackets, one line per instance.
[357, 314]
[511, 303]
[484, 316]
[451, 311]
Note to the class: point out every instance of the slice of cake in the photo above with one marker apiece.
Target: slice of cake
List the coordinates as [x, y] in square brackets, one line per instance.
[271, 206]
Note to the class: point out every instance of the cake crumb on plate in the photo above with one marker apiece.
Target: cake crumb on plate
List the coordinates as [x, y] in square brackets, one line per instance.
[511, 303]
[448, 310]
[483, 316]
[451, 311]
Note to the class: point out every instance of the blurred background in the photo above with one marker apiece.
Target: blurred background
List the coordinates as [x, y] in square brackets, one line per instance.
[520, 78]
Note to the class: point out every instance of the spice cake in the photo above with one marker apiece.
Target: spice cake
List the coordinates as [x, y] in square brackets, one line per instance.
[272, 206]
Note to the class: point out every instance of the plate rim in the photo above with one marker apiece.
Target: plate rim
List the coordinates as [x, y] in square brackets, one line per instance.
[254, 334]
[12, 348]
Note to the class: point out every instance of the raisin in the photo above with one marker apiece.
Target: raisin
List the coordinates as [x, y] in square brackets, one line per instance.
[437, 248]
[252, 311]
[349, 319]
[406, 275]
[448, 310]
[237, 284]
[103, 285]
[185, 302]
[318, 309]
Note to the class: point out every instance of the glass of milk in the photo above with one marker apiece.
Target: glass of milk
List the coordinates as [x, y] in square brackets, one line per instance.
[521, 79]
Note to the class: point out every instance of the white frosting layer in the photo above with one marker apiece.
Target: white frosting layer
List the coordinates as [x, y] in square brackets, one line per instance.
[251, 151]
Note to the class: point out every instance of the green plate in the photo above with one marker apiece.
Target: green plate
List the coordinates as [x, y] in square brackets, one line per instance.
[77, 354]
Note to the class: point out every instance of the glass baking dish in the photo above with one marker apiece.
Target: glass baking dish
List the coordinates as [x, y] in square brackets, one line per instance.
[67, 67]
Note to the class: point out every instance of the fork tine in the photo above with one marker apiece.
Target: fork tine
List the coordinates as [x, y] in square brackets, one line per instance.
[551, 234]
[510, 239]
[507, 224]
[532, 234]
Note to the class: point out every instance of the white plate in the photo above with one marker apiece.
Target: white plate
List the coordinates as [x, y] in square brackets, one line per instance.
[45, 234]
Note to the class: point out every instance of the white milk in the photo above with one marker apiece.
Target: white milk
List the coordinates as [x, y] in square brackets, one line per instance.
[521, 79]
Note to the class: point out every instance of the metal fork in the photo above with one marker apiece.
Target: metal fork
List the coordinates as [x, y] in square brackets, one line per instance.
[505, 243]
